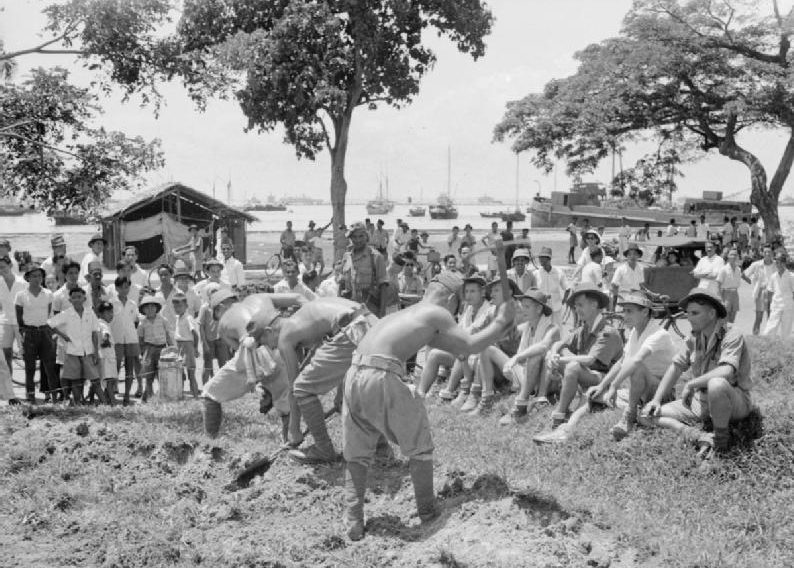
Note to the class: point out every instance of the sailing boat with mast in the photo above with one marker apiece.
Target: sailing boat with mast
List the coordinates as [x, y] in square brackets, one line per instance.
[380, 205]
[445, 207]
[515, 215]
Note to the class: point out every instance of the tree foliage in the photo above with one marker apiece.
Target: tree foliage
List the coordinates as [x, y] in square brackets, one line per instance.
[53, 156]
[696, 71]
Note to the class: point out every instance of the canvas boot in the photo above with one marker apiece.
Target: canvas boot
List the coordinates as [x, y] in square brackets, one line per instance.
[212, 417]
[446, 395]
[485, 406]
[422, 478]
[355, 487]
[463, 394]
[323, 449]
[517, 415]
[472, 400]
[625, 425]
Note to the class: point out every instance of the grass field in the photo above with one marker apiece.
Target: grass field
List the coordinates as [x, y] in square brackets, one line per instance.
[142, 486]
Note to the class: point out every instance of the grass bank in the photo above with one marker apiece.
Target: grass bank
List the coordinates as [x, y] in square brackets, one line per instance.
[142, 487]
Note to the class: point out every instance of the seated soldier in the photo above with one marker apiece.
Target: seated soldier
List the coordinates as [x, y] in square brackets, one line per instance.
[538, 334]
[476, 315]
[587, 353]
[483, 381]
[647, 354]
[719, 363]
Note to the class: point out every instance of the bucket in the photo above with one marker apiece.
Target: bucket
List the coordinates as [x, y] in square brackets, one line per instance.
[169, 375]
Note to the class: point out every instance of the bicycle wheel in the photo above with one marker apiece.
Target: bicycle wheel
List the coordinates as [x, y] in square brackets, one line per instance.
[679, 324]
[272, 265]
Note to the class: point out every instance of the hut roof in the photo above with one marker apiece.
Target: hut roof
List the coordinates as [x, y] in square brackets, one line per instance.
[143, 202]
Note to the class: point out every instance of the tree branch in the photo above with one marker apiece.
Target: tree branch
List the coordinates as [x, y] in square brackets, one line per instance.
[325, 134]
[42, 144]
[41, 47]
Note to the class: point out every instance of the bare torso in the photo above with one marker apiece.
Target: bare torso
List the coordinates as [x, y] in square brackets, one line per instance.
[314, 320]
[403, 333]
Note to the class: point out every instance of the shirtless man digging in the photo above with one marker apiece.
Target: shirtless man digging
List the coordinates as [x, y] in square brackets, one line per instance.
[377, 401]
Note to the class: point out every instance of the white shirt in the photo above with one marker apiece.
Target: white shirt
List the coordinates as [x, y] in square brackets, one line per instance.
[729, 278]
[90, 257]
[759, 274]
[473, 322]
[552, 283]
[78, 328]
[672, 230]
[233, 272]
[654, 347]
[35, 309]
[139, 278]
[124, 318]
[709, 266]
[592, 274]
[627, 278]
[453, 245]
[282, 287]
[525, 281]
[8, 299]
[530, 337]
[60, 299]
[782, 288]
[184, 327]
[328, 288]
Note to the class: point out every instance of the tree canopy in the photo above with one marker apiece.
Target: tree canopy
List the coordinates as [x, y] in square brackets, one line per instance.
[52, 153]
[691, 72]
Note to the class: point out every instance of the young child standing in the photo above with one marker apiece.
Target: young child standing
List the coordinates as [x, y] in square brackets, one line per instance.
[108, 370]
[153, 336]
[79, 329]
[125, 335]
[186, 336]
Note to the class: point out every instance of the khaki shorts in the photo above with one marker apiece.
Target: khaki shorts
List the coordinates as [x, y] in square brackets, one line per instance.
[188, 353]
[327, 368]
[231, 383]
[698, 410]
[76, 367]
[377, 402]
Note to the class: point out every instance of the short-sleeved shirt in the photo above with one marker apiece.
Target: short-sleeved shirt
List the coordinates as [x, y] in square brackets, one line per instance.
[552, 283]
[79, 328]
[709, 266]
[627, 278]
[107, 350]
[725, 346]
[233, 272]
[362, 271]
[153, 331]
[654, 346]
[782, 288]
[572, 237]
[287, 238]
[759, 274]
[35, 308]
[60, 298]
[592, 274]
[454, 244]
[184, 328]
[729, 278]
[525, 281]
[125, 316]
[530, 336]
[282, 287]
[380, 238]
[602, 342]
[8, 298]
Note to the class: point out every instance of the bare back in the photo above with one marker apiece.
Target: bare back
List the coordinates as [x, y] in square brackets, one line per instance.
[314, 320]
[402, 334]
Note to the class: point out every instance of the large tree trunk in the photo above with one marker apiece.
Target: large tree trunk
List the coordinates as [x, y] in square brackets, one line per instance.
[763, 197]
[339, 184]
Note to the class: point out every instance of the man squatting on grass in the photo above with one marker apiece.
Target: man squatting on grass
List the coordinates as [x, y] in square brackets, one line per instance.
[719, 363]
[377, 401]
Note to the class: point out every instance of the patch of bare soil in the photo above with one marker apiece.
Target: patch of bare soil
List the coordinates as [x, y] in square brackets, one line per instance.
[82, 491]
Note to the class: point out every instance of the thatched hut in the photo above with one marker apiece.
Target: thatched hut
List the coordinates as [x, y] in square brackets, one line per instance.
[158, 222]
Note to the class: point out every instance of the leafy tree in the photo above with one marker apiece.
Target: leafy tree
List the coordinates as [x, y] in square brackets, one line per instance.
[53, 157]
[308, 65]
[696, 71]
[50, 152]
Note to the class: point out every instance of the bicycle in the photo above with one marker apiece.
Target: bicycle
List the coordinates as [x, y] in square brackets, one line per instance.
[667, 310]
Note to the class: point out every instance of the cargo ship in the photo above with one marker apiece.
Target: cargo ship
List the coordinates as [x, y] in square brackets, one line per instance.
[588, 201]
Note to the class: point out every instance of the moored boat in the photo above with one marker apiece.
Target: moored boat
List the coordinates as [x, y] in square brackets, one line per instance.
[418, 211]
[444, 209]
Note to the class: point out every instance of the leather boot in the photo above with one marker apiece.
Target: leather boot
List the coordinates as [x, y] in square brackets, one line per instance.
[212, 417]
[485, 406]
[463, 394]
[323, 448]
[624, 425]
[472, 401]
[355, 487]
[422, 478]
[518, 415]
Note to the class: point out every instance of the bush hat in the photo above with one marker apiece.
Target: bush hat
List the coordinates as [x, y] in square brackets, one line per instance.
[633, 246]
[515, 291]
[475, 279]
[57, 240]
[357, 227]
[149, 299]
[521, 253]
[636, 298]
[545, 251]
[591, 291]
[221, 295]
[97, 237]
[707, 296]
[539, 297]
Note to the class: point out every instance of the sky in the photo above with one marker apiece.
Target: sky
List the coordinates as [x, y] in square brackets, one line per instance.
[460, 102]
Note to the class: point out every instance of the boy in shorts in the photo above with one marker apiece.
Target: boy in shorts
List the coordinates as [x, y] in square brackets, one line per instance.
[186, 336]
[125, 335]
[108, 370]
[153, 336]
[79, 328]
